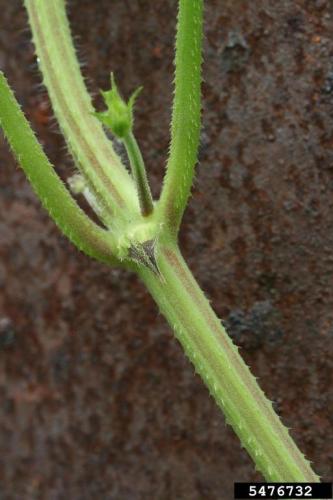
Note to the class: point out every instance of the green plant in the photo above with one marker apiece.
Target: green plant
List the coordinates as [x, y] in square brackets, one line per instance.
[139, 234]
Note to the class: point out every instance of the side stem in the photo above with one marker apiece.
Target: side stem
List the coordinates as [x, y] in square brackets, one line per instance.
[73, 222]
[139, 174]
[228, 378]
[72, 106]
[185, 125]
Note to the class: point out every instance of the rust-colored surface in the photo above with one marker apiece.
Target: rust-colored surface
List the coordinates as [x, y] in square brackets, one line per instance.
[97, 399]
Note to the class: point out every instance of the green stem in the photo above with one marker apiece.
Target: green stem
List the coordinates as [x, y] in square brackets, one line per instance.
[229, 380]
[71, 103]
[185, 128]
[139, 174]
[86, 235]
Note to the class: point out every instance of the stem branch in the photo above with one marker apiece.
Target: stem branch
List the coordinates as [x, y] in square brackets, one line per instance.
[139, 174]
[185, 127]
[73, 222]
[72, 106]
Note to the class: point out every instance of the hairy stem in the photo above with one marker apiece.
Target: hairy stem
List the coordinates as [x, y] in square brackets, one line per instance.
[228, 378]
[86, 235]
[185, 126]
[72, 106]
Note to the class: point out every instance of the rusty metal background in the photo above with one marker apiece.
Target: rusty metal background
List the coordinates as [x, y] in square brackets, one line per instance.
[97, 399]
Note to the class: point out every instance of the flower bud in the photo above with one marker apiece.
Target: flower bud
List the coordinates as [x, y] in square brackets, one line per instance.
[119, 115]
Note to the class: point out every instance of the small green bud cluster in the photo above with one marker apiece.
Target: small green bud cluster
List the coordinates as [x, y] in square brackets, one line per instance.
[119, 115]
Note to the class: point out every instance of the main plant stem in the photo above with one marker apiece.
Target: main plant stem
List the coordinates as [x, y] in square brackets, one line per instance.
[229, 380]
